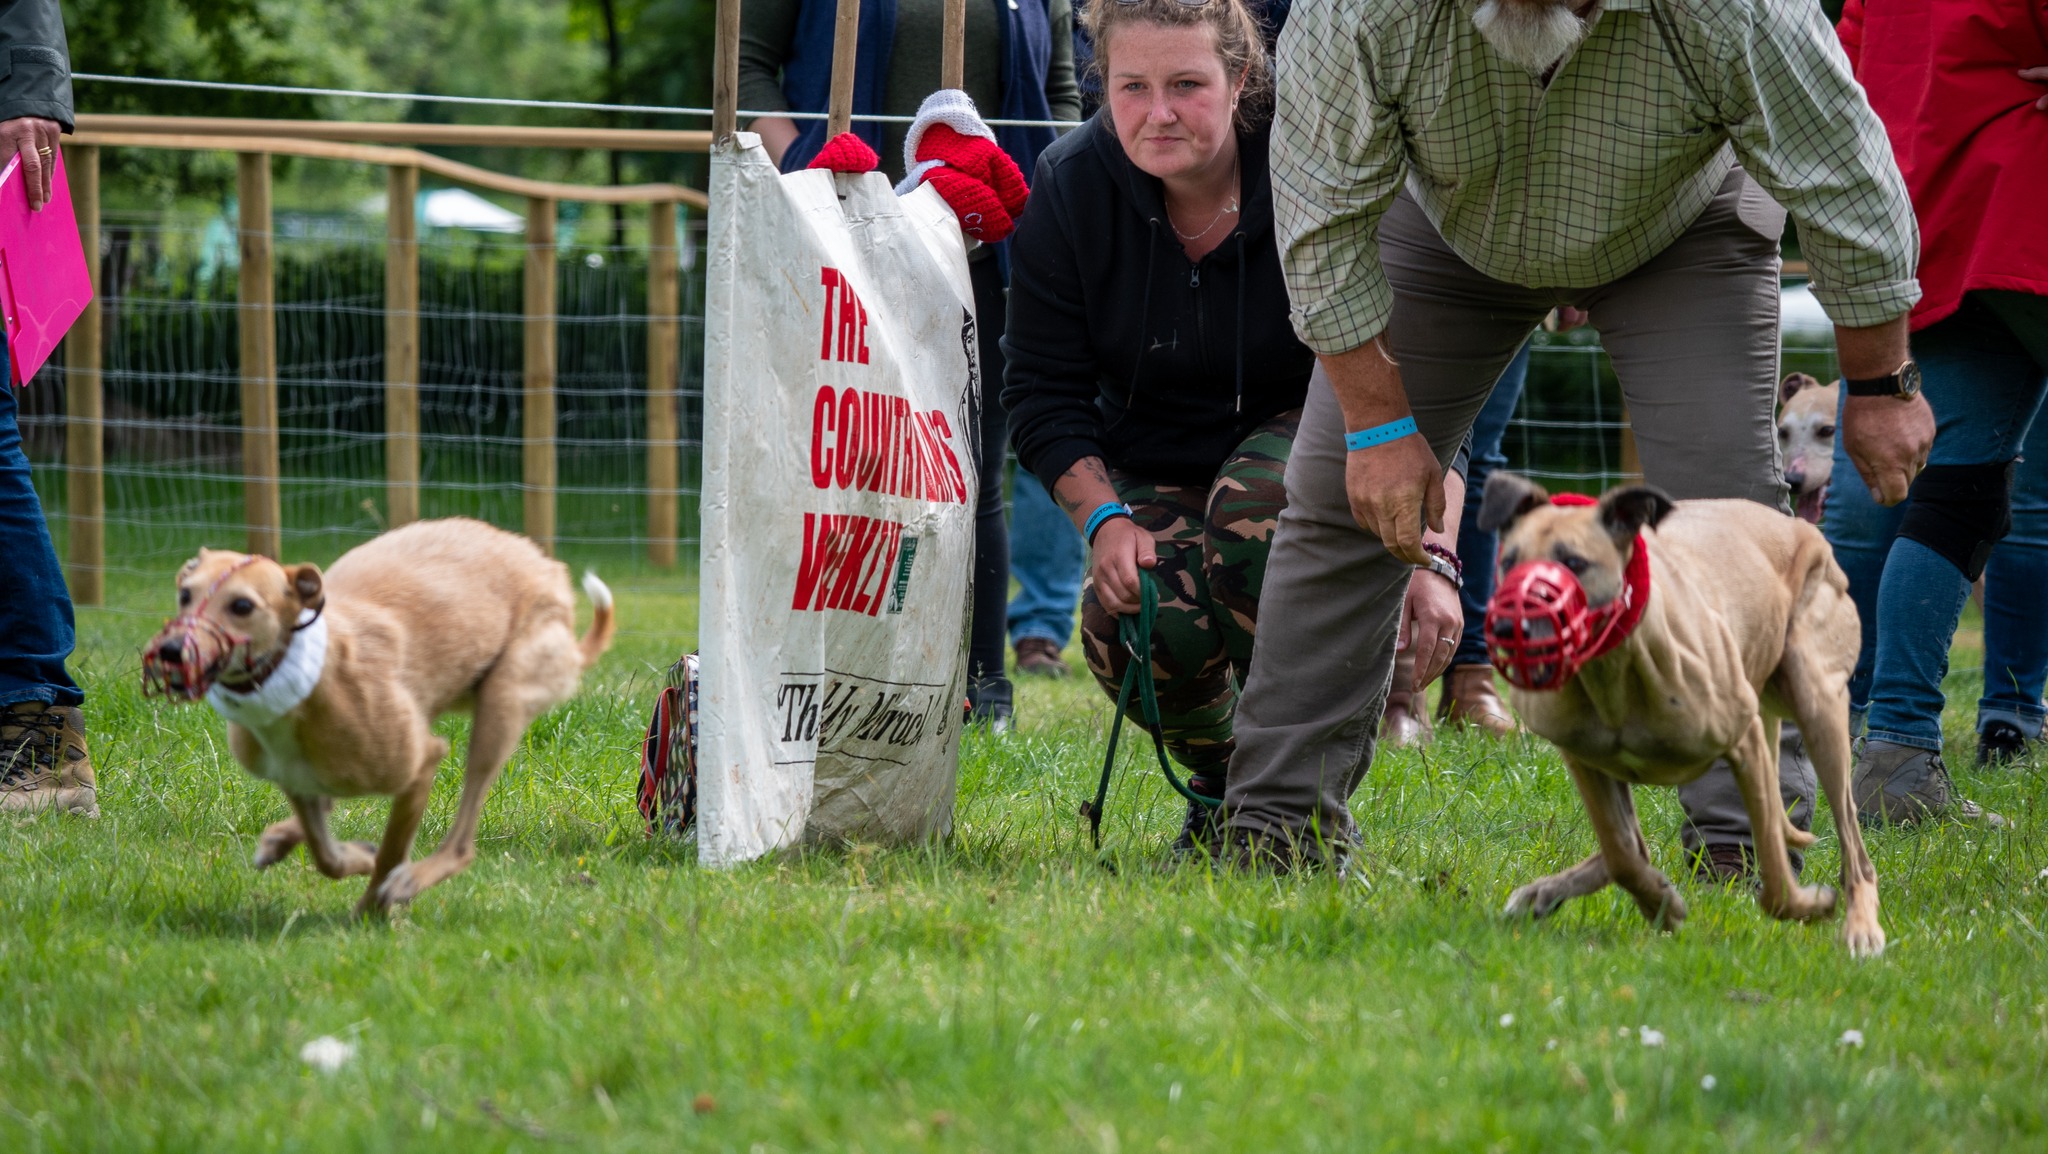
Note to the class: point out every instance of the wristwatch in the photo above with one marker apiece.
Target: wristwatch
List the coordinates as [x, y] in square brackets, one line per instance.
[1902, 383]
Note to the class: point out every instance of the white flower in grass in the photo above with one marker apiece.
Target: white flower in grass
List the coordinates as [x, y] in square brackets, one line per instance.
[327, 1053]
[1850, 1039]
[1650, 1037]
[1506, 1020]
[1708, 1082]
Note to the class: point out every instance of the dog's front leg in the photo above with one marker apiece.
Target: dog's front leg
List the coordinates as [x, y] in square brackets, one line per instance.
[1755, 761]
[1612, 808]
[335, 859]
[1545, 894]
[406, 810]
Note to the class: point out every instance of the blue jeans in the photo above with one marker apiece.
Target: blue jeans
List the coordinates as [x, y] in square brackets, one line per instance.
[1048, 559]
[1985, 371]
[36, 633]
[1476, 547]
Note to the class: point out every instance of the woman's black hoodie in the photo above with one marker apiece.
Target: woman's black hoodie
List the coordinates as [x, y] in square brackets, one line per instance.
[1120, 347]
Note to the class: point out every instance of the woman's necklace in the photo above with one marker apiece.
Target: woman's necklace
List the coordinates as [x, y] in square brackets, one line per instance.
[1229, 209]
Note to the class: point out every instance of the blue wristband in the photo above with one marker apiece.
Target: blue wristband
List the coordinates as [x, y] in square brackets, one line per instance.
[1103, 512]
[1379, 434]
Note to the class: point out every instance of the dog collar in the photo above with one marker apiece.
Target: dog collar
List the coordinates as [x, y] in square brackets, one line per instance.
[287, 686]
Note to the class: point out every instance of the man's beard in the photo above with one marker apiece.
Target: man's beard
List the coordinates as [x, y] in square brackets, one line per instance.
[1534, 34]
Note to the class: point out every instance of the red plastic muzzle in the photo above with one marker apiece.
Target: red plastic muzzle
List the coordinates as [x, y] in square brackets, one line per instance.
[1539, 630]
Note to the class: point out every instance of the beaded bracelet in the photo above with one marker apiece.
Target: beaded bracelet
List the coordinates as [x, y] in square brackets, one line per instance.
[1379, 434]
[1103, 512]
[1456, 562]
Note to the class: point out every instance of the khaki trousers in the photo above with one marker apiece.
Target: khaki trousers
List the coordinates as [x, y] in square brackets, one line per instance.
[1693, 334]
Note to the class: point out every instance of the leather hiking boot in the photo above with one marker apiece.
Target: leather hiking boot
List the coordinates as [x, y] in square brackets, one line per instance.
[1900, 785]
[2000, 744]
[1405, 721]
[1040, 657]
[1469, 698]
[43, 760]
[1724, 864]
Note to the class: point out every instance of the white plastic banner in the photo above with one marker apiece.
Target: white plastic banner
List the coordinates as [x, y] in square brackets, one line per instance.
[840, 391]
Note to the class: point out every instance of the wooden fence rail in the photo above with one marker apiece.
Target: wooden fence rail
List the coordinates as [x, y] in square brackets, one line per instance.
[254, 142]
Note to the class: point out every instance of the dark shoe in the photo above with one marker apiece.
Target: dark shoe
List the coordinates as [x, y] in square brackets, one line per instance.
[1203, 824]
[44, 763]
[1725, 865]
[1040, 657]
[1469, 698]
[994, 717]
[1900, 785]
[2001, 743]
[1405, 721]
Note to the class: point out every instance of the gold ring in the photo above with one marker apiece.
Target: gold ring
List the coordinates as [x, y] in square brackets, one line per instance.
[43, 151]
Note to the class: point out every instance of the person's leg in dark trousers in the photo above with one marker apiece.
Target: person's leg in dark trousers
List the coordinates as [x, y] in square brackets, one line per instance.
[43, 759]
[1324, 655]
[2015, 614]
[1693, 334]
[1469, 695]
[988, 688]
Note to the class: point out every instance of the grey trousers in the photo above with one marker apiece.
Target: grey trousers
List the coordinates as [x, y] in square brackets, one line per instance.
[1693, 334]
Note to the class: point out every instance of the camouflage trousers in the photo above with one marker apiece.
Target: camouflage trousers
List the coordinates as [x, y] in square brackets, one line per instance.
[1212, 545]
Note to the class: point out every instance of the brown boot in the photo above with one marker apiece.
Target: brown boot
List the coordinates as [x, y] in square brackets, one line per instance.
[1406, 720]
[1469, 698]
[43, 760]
[1040, 657]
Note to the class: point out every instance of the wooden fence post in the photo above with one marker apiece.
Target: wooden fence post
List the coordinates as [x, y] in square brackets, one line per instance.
[662, 305]
[85, 495]
[725, 75]
[538, 406]
[839, 113]
[402, 349]
[953, 45]
[257, 315]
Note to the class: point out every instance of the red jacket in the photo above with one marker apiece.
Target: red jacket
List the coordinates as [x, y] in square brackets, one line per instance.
[1943, 75]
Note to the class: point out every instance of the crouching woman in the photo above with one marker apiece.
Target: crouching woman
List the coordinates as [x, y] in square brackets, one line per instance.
[1153, 380]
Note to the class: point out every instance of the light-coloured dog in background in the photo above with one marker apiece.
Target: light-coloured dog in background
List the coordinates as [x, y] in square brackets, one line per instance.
[1806, 440]
[1748, 622]
[427, 619]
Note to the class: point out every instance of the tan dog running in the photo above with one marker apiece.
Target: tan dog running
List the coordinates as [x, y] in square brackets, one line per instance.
[332, 685]
[1748, 621]
[1806, 440]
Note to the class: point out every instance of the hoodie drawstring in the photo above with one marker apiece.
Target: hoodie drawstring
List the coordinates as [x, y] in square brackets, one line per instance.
[1238, 406]
[1144, 314]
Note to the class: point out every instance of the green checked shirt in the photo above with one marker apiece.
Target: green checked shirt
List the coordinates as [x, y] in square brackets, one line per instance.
[1577, 184]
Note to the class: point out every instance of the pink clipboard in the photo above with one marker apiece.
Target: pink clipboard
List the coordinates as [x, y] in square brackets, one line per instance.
[44, 285]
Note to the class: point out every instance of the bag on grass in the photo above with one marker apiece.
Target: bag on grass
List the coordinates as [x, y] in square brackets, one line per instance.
[668, 756]
[841, 399]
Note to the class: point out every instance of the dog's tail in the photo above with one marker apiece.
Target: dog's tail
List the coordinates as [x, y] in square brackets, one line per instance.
[603, 623]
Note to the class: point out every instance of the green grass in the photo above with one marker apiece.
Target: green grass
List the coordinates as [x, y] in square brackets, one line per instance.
[583, 987]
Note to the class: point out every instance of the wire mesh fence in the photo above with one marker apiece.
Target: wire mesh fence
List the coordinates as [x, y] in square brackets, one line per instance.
[173, 469]
[171, 382]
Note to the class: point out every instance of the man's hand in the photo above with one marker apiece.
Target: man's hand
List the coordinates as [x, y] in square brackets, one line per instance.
[1121, 549]
[36, 140]
[1432, 621]
[1391, 486]
[1888, 440]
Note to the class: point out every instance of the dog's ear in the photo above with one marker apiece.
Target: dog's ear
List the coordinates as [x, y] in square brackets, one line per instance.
[1793, 384]
[307, 583]
[1507, 497]
[1624, 511]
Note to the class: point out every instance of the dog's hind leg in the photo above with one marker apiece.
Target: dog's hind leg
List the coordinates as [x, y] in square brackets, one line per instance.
[1540, 897]
[277, 841]
[1822, 705]
[335, 859]
[404, 824]
[1755, 760]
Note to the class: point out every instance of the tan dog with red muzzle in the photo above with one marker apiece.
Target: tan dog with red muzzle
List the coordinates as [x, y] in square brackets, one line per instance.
[331, 684]
[1647, 640]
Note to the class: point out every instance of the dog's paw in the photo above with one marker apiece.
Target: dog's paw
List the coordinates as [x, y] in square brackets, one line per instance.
[400, 887]
[1864, 939]
[1533, 901]
[272, 849]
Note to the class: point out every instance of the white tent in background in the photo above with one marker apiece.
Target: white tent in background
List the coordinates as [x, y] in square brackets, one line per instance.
[461, 208]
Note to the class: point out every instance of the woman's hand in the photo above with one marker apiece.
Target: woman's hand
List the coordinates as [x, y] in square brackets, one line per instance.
[1432, 620]
[1121, 549]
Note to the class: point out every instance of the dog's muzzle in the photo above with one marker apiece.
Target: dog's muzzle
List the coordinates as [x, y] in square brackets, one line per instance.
[187, 656]
[1539, 629]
